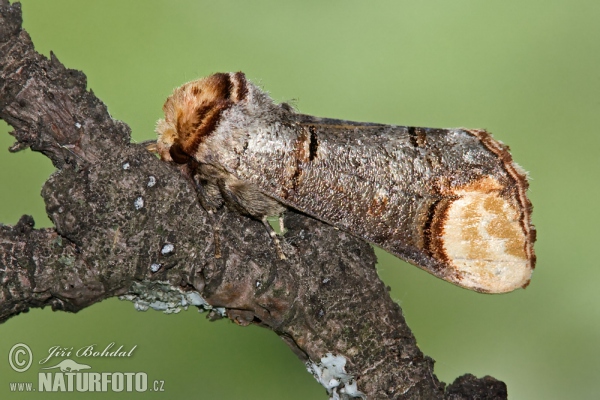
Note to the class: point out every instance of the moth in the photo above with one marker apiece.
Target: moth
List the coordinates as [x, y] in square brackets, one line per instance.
[450, 201]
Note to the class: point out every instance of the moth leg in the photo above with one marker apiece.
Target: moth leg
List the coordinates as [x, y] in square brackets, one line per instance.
[274, 237]
[210, 200]
[248, 200]
[207, 192]
[206, 198]
[216, 225]
[281, 226]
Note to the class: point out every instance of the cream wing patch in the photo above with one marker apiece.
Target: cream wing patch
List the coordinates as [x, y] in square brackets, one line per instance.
[483, 239]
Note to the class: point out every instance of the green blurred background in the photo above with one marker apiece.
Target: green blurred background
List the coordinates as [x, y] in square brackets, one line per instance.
[527, 70]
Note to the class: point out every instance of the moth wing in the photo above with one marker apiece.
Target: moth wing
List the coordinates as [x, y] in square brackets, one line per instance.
[449, 201]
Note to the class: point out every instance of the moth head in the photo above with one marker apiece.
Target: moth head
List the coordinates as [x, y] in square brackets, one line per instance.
[193, 112]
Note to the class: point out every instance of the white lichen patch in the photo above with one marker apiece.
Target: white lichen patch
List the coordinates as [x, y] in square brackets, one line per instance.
[331, 373]
[167, 249]
[155, 267]
[151, 181]
[138, 203]
[162, 296]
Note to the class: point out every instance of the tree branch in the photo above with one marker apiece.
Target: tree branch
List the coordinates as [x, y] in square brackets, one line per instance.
[129, 224]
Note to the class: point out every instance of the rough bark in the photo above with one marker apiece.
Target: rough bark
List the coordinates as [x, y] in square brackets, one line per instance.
[115, 206]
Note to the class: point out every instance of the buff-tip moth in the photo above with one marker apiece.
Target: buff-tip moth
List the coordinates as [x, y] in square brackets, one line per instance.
[450, 201]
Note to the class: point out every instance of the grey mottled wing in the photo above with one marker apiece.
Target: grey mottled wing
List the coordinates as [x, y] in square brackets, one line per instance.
[391, 185]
